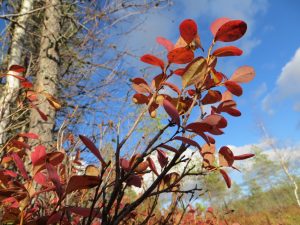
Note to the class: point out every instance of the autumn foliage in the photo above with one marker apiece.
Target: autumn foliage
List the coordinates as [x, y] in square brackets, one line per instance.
[54, 186]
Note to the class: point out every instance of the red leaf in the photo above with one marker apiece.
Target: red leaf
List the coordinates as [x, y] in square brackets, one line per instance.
[234, 88]
[29, 135]
[38, 156]
[231, 31]
[134, 180]
[214, 27]
[19, 144]
[188, 141]
[55, 218]
[181, 55]
[9, 173]
[88, 143]
[152, 166]
[226, 157]
[211, 97]
[226, 178]
[169, 148]
[233, 112]
[140, 85]
[53, 176]
[84, 212]
[26, 84]
[43, 115]
[79, 182]
[153, 60]
[124, 164]
[19, 163]
[140, 99]
[244, 156]
[173, 87]
[17, 68]
[162, 158]
[243, 74]
[41, 179]
[172, 111]
[179, 71]
[227, 51]
[55, 158]
[188, 30]
[166, 43]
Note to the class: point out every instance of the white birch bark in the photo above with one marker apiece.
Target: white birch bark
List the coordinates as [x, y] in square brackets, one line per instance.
[10, 91]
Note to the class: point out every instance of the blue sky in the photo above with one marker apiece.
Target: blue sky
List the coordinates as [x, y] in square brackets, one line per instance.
[270, 46]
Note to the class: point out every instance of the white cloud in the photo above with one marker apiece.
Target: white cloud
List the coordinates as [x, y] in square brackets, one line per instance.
[260, 90]
[161, 22]
[246, 10]
[286, 85]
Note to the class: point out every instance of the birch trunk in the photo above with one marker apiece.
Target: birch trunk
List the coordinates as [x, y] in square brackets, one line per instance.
[48, 71]
[10, 92]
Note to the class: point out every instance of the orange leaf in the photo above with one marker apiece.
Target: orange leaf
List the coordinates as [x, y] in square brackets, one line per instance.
[214, 27]
[181, 55]
[153, 60]
[166, 43]
[243, 74]
[140, 85]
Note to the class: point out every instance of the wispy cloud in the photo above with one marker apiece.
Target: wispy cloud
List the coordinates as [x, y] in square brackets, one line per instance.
[286, 85]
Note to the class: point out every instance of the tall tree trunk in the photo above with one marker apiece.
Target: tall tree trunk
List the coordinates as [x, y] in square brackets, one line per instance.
[48, 71]
[10, 92]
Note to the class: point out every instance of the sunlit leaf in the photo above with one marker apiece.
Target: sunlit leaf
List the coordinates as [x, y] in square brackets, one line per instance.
[92, 170]
[214, 27]
[166, 43]
[153, 60]
[195, 72]
[243, 74]
[29, 135]
[140, 85]
[181, 55]
[38, 156]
